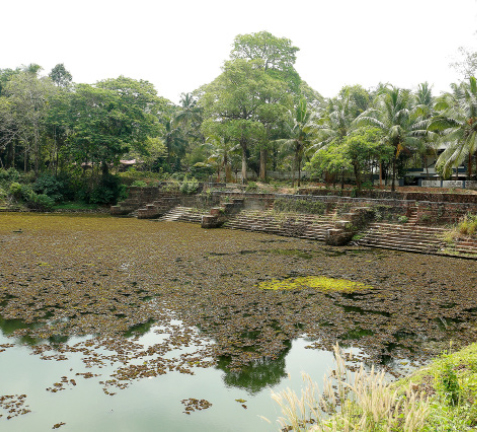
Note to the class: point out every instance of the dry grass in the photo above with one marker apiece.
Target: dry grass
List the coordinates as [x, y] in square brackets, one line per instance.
[363, 402]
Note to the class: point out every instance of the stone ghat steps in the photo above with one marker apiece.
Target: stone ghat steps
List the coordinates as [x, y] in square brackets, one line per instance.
[286, 224]
[182, 214]
[467, 250]
[464, 246]
[409, 238]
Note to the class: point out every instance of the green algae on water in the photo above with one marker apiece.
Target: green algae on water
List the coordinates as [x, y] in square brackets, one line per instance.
[320, 282]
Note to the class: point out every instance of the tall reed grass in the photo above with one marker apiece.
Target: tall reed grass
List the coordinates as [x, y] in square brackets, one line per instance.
[364, 401]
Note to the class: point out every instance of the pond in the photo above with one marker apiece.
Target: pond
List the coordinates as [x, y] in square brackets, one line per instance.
[124, 324]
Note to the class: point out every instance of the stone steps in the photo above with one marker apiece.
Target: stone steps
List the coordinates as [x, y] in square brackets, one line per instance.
[313, 227]
[182, 214]
[420, 228]
[469, 250]
[409, 238]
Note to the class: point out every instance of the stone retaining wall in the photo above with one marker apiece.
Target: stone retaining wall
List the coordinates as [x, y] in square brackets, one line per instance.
[434, 213]
[403, 196]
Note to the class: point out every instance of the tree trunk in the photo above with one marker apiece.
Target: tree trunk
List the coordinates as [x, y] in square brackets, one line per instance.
[104, 169]
[427, 167]
[243, 144]
[37, 154]
[342, 178]
[393, 178]
[357, 176]
[25, 161]
[299, 172]
[476, 162]
[263, 164]
[13, 154]
[293, 170]
[380, 174]
[228, 170]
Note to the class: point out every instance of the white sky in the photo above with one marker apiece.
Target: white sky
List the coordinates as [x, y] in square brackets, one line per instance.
[181, 45]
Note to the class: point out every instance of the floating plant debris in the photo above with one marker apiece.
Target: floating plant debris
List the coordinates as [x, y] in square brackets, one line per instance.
[13, 405]
[90, 287]
[192, 405]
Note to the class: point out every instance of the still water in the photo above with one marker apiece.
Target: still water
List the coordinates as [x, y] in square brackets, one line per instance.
[109, 324]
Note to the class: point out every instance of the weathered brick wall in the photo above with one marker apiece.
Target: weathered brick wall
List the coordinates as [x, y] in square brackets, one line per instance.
[405, 196]
[433, 213]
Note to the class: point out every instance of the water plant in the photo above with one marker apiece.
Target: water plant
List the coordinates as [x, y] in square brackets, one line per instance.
[322, 283]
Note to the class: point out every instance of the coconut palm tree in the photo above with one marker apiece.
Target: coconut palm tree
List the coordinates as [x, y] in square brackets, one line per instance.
[403, 127]
[458, 127]
[335, 123]
[300, 129]
[174, 142]
[189, 112]
[221, 150]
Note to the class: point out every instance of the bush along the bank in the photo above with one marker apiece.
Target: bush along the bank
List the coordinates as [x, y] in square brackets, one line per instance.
[440, 397]
[466, 228]
[49, 185]
[189, 187]
[25, 194]
[48, 190]
[300, 206]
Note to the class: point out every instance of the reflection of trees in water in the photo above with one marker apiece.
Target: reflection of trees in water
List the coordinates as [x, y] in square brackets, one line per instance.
[9, 327]
[257, 375]
[139, 329]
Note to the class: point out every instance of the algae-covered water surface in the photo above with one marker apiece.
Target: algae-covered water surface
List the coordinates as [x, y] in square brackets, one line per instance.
[113, 324]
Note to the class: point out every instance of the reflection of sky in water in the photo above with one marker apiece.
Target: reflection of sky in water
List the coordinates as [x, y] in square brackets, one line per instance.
[153, 404]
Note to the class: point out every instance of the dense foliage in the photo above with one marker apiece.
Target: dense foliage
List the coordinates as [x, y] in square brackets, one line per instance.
[258, 115]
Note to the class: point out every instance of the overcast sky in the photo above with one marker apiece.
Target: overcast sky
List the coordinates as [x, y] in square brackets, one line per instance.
[180, 45]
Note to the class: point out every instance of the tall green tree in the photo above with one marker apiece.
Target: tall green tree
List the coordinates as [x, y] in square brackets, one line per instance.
[240, 96]
[366, 149]
[278, 55]
[175, 143]
[28, 97]
[392, 114]
[189, 112]
[457, 124]
[112, 118]
[300, 135]
[60, 76]
[221, 143]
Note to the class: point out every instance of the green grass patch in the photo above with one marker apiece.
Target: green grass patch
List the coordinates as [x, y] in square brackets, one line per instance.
[75, 206]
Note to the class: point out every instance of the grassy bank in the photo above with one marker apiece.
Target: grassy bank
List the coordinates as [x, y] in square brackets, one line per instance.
[440, 397]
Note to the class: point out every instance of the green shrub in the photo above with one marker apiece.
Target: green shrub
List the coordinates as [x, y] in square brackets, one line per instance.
[15, 190]
[139, 183]
[251, 187]
[9, 175]
[367, 185]
[300, 206]
[179, 176]
[448, 384]
[189, 186]
[468, 225]
[108, 191]
[40, 202]
[403, 219]
[20, 192]
[49, 185]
